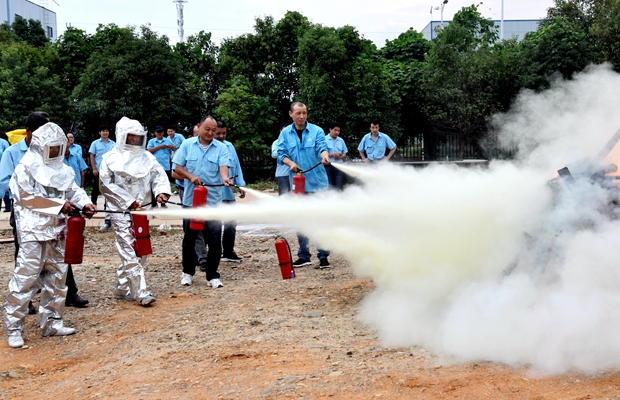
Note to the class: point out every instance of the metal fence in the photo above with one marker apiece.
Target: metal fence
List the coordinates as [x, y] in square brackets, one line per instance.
[260, 166]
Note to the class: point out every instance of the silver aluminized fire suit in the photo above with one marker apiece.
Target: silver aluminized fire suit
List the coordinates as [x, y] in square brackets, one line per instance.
[130, 174]
[41, 184]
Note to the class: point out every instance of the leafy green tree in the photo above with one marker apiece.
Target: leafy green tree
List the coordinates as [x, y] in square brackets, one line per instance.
[248, 117]
[198, 55]
[409, 46]
[457, 79]
[341, 80]
[558, 47]
[134, 75]
[404, 59]
[27, 84]
[268, 58]
[29, 31]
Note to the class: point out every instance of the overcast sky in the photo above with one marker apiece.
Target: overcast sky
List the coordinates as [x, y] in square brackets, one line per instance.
[376, 20]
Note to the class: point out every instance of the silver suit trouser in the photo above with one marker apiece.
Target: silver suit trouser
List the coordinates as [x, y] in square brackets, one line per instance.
[37, 263]
[131, 283]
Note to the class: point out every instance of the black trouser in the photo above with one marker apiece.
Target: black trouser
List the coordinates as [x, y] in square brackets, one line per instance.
[212, 233]
[334, 177]
[284, 184]
[95, 193]
[230, 233]
[71, 285]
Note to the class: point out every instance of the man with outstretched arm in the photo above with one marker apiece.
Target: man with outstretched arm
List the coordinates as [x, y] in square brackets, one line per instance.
[202, 159]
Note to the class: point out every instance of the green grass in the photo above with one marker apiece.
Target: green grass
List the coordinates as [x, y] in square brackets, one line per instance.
[264, 185]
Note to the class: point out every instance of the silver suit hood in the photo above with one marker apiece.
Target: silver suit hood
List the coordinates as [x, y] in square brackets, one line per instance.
[44, 158]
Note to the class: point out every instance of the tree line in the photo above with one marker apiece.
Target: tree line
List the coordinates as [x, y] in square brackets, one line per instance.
[448, 87]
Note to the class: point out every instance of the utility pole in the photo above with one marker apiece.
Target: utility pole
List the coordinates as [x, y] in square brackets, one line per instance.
[501, 26]
[8, 12]
[179, 4]
[441, 7]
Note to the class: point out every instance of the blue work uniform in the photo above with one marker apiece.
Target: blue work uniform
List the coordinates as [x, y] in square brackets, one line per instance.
[205, 165]
[234, 169]
[178, 139]
[162, 155]
[281, 169]
[305, 153]
[376, 150]
[10, 158]
[76, 149]
[335, 146]
[77, 164]
[99, 148]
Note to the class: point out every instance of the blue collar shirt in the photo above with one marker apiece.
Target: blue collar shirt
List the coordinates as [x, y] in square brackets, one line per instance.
[335, 146]
[281, 169]
[206, 165]
[305, 153]
[99, 148]
[234, 169]
[376, 150]
[10, 158]
[178, 139]
[76, 149]
[77, 164]
[162, 155]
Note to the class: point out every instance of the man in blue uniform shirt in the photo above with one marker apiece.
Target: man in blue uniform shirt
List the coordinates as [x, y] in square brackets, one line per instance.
[301, 146]
[202, 159]
[337, 150]
[175, 138]
[76, 163]
[374, 144]
[162, 148]
[97, 149]
[235, 173]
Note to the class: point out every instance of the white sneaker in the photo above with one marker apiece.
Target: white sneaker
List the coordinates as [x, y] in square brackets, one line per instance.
[186, 279]
[64, 331]
[16, 341]
[215, 283]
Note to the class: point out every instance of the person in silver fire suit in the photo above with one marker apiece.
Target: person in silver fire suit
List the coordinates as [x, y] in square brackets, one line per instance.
[131, 176]
[43, 189]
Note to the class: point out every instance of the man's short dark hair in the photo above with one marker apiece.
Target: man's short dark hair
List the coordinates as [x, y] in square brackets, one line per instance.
[103, 127]
[296, 103]
[334, 125]
[170, 128]
[36, 120]
[206, 117]
[221, 124]
[374, 122]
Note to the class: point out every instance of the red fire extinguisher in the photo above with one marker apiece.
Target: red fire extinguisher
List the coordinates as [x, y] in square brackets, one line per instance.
[299, 183]
[142, 244]
[74, 244]
[200, 200]
[285, 258]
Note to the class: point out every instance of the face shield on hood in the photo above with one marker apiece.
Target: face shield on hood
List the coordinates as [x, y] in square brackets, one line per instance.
[130, 135]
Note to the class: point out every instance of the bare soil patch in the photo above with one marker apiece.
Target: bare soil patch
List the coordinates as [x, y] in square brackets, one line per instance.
[258, 337]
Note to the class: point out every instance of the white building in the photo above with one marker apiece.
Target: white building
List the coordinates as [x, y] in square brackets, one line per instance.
[29, 10]
[512, 27]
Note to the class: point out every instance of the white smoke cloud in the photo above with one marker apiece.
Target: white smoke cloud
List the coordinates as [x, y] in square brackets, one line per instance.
[436, 240]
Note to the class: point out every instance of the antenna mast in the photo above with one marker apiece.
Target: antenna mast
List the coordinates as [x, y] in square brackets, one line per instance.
[179, 4]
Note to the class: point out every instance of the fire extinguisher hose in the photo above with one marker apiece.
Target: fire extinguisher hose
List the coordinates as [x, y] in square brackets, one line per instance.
[277, 237]
[308, 170]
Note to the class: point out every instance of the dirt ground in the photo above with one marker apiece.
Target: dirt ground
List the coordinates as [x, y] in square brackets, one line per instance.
[258, 337]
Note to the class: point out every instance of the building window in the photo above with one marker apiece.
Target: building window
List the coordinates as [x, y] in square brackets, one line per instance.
[50, 32]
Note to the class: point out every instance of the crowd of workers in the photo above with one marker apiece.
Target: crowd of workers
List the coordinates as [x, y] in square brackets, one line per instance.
[42, 182]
